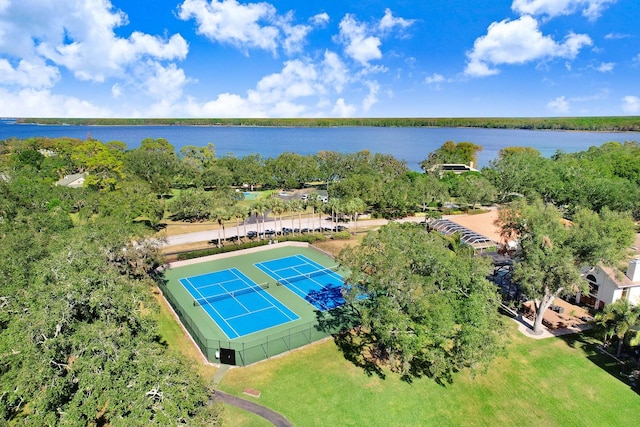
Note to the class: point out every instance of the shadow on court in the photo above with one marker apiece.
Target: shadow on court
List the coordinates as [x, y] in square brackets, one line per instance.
[328, 298]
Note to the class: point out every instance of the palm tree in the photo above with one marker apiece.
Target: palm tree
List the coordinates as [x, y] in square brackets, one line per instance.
[315, 203]
[221, 214]
[260, 208]
[618, 319]
[297, 206]
[278, 208]
[240, 213]
[353, 207]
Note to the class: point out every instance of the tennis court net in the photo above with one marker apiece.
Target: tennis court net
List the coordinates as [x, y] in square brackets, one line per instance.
[227, 295]
[307, 276]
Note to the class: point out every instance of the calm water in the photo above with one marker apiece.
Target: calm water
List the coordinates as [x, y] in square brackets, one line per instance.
[410, 144]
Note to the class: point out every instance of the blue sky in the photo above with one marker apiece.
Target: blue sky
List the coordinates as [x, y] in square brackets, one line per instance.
[404, 58]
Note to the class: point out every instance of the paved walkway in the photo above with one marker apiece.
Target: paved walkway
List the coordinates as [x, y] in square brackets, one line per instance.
[275, 418]
[266, 413]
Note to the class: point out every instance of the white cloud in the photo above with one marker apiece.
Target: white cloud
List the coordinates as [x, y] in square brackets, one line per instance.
[572, 45]
[163, 83]
[616, 36]
[362, 41]
[342, 109]
[36, 74]
[389, 22]
[605, 67]
[38, 38]
[227, 21]
[320, 19]
[101, 56]
[294, 35]
[225, 105]
[518, 42]
[296, 80]
[591, 9]
[249, 26]
[559, 105]
[372, 97]
[302, 88]
[435, 78]
[78, 35]
[358, 44]
[334, 72]
[43, 103]
[631, 104]
[116, 90]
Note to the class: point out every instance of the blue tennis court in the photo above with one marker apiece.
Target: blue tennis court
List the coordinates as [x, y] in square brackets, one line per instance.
[237, 304]
[316, 284]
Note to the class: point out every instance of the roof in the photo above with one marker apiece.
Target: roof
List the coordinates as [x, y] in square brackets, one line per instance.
[621, 280]
[468, 236]
[75, 180]
[453, 167]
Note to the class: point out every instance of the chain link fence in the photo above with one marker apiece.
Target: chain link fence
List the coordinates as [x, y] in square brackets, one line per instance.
[247, 352]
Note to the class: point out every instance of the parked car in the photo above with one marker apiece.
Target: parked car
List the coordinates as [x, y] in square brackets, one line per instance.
[252, 234]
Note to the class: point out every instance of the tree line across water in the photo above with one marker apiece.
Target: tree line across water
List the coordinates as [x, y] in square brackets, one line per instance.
[609, 124]
[78, 335]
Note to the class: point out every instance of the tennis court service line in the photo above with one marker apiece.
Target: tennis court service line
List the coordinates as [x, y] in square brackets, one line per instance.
[311, 284]
[265, 298]
[213, 308]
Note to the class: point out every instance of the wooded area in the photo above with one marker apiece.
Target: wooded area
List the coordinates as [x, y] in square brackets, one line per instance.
[78, 340]
[621, 123]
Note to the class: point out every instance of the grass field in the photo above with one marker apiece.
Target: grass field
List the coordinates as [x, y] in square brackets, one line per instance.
[550, 382]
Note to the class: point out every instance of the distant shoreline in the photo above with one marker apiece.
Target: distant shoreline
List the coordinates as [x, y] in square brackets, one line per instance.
[591, 124]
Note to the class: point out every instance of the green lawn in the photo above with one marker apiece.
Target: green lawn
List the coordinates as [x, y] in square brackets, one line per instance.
[549, 382]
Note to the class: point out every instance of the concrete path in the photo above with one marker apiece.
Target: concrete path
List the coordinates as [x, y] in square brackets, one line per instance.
[275, 418]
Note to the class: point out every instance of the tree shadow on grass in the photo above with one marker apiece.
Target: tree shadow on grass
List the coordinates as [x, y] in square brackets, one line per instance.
[357, 346]
[360, 347]
[605, 361]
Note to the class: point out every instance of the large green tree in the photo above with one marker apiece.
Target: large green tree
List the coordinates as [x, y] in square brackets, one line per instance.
[473, 188]
[79, 343]
[155, 162]
[452, 152]
[553, 251]
[423, 309]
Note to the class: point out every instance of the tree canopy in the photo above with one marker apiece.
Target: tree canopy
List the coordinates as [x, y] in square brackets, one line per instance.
[553, 250]
[79, 343]
[423, 309]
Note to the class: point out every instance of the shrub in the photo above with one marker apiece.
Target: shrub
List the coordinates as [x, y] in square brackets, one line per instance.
[341, 235]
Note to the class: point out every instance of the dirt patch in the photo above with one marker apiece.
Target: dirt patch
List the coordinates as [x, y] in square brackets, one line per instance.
[173, 228]
[481, 223]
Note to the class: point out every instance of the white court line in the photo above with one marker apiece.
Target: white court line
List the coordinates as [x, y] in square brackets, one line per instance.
[214, 309]
[259, 291]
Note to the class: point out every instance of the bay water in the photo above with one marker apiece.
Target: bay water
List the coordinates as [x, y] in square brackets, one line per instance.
[411, 144]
